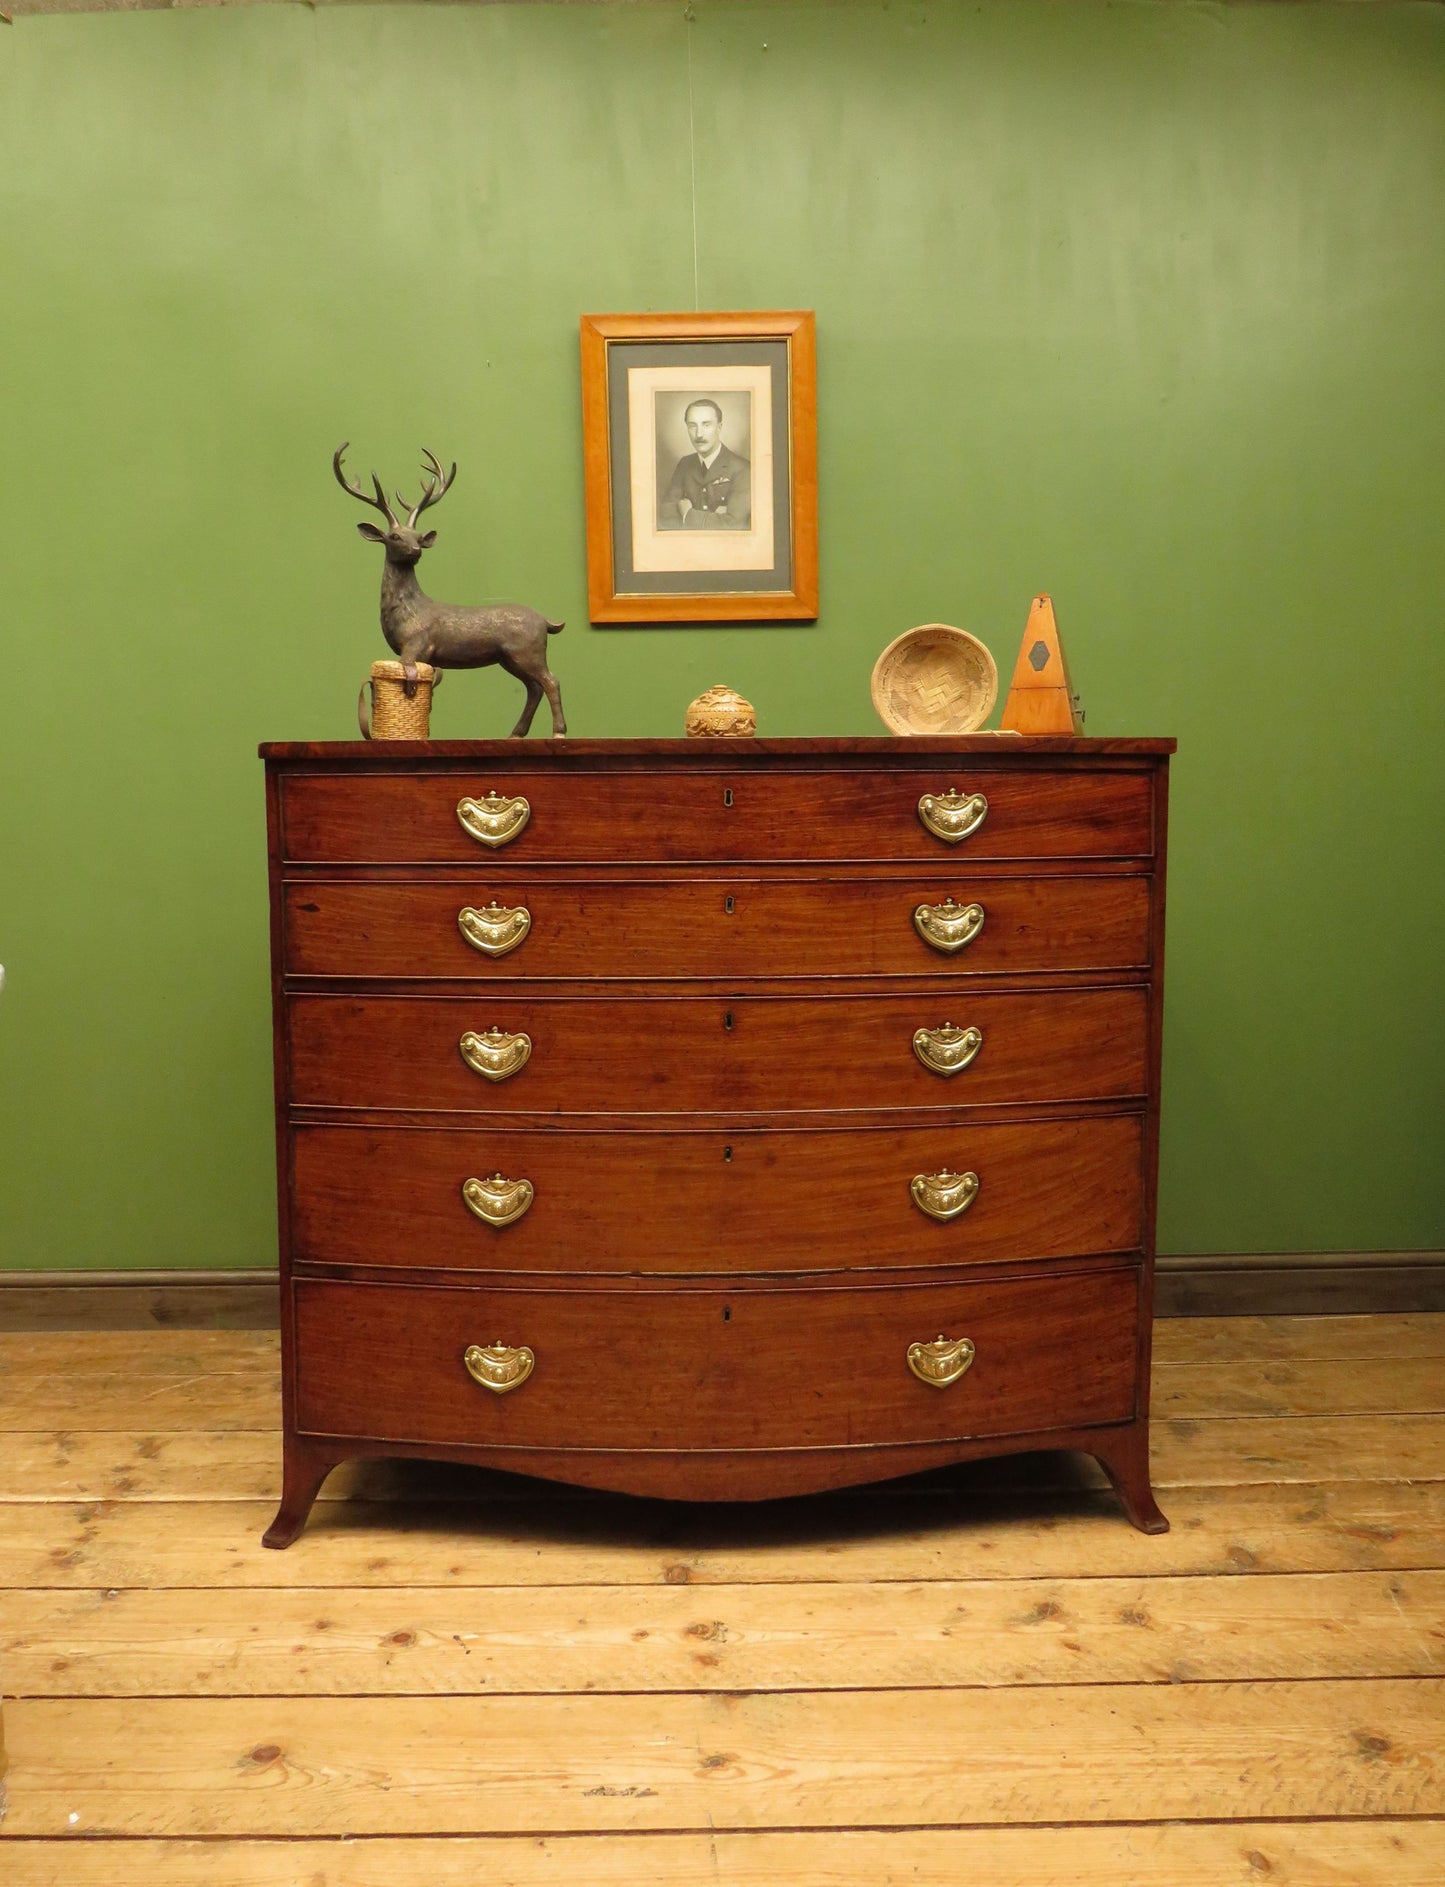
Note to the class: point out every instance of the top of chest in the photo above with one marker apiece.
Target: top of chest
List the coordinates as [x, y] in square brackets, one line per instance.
[736, 801]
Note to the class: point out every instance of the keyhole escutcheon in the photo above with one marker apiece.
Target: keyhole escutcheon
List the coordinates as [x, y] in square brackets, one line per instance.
[728, 906]
[727, 796]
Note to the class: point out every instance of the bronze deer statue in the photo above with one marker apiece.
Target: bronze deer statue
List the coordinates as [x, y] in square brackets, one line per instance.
[445, 634]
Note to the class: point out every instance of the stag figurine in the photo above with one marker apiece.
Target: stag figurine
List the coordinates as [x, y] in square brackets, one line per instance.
[444, 634]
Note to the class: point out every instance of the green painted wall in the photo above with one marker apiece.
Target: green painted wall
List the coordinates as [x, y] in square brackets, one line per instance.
[1140, 304]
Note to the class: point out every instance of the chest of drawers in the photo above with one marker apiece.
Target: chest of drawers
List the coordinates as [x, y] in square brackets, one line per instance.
[716, 1120]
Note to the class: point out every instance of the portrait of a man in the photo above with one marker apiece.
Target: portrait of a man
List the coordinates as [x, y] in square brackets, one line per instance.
[699, 442]
[711, 486]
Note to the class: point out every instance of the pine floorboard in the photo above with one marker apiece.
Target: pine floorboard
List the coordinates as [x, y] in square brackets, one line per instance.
[460, 1676]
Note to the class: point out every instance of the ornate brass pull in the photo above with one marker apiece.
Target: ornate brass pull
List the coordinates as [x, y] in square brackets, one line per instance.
[952, 816]
[498, 1367]
[496, 1056]
[497, 1201]
[495, 930]
[495, 820]
[948, 926]
[944, 1195]
[941, 1362]
[947, 1051]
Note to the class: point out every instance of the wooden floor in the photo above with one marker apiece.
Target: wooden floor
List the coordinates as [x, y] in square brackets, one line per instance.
[983, 1675]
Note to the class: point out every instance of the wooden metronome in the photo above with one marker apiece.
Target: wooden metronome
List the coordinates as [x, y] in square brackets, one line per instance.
[1041, 699]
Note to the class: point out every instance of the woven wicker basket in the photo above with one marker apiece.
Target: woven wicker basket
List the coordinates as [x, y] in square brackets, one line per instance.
[393, 715]
[934, 680]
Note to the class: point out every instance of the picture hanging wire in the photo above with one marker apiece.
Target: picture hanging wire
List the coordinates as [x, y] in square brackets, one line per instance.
[689, 16]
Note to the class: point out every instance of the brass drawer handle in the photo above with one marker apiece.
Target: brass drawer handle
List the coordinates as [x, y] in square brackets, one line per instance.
[499, 1367]
[497, 1201]
[944, 1195]
[495, 930]
[495, 820]
[941, 1362]
[948, 926]
[947, 1050]
[496, 1056]
[952, 816]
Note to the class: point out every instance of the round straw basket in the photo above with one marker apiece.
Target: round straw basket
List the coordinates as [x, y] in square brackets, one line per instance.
[393, 715]
[934, 680]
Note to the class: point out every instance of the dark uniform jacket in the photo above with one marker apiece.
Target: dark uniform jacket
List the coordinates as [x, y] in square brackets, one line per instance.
[721, 497]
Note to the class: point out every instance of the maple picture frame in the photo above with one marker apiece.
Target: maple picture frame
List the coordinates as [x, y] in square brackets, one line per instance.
[700, 458]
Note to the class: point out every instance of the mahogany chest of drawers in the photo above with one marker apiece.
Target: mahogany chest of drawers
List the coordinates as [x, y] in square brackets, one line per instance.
[716, 1119]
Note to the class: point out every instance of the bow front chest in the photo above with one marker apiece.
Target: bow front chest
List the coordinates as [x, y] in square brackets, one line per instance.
[716, 1119]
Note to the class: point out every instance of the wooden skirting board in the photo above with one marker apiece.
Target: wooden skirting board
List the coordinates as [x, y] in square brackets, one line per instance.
[1271, 1284]
[138, 1300]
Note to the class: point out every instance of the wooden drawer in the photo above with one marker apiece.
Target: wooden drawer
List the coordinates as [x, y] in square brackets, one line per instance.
[730, 927]
[715, 1370]
[751, 1199]
[730, 812]
[721, 1053]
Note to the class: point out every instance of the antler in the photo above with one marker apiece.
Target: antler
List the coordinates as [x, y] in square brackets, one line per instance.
[439, 483]
[378, 503]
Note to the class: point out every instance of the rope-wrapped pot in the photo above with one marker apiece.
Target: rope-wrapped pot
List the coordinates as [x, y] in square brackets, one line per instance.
[394, 714]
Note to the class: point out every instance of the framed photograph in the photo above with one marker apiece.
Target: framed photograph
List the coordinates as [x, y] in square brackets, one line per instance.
[700, 448]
